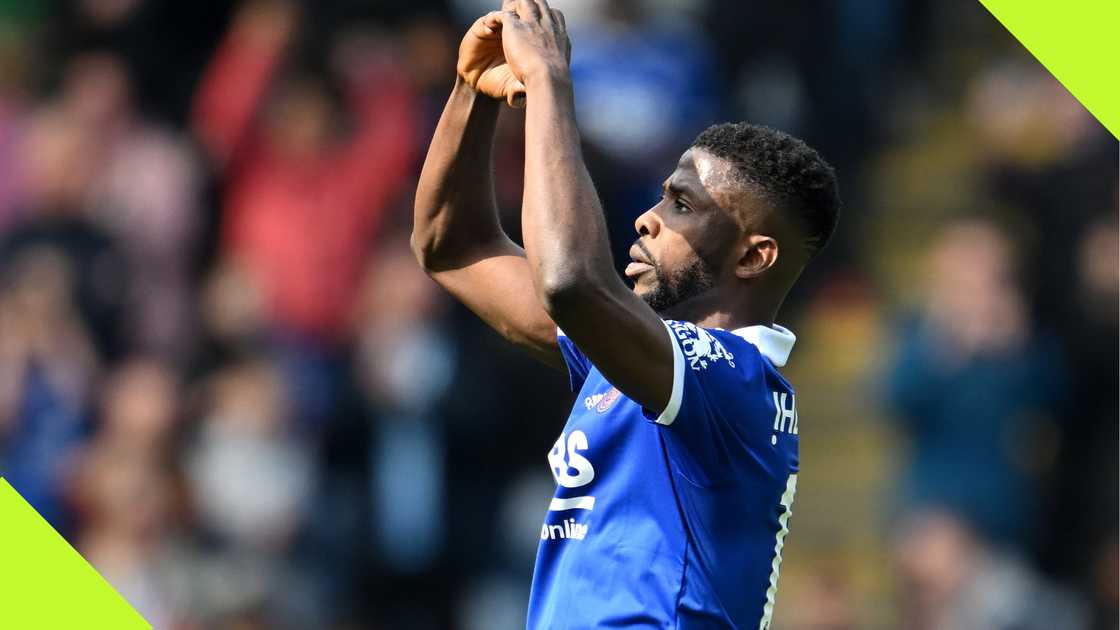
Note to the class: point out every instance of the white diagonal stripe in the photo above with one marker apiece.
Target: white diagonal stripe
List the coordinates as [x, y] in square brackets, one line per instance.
[574, 503]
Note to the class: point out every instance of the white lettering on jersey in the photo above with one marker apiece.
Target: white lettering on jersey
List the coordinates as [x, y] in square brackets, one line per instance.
[785, 420]
[564, 458]
[565, 530]
[562, 466]
[700, 348]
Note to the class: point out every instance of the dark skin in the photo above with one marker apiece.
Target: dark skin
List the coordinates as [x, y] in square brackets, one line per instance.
[565, 276]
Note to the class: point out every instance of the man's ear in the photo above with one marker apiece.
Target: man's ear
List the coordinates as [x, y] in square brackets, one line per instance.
[759, 253]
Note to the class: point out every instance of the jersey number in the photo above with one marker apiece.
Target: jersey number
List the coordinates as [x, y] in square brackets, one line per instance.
[779, 541]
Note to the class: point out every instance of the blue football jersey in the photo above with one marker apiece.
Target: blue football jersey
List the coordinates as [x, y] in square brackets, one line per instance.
[672, 518]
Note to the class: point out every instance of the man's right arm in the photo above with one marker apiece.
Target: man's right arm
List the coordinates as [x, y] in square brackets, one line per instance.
[457, 237]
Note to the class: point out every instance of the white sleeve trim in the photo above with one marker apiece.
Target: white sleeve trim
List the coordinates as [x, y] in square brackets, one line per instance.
[670, 413]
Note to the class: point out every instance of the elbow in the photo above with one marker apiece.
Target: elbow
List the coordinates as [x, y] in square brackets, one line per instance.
[423, 249]
[425, 240]
[567, 291]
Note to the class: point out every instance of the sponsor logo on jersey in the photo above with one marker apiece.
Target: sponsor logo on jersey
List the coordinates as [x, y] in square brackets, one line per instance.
[601, 402]
[572, 470]
[567, 529]
[565, 459]
[591, 401]
[701, 349]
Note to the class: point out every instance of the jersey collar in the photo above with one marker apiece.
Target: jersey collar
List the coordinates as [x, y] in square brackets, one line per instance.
[774, 342]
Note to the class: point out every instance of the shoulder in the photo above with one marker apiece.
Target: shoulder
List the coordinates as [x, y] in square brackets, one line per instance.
[726, 392]
[705, 348]
[744, 348]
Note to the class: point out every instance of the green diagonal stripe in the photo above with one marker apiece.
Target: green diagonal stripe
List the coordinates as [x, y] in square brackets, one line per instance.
[1078, 41]
[45, 584]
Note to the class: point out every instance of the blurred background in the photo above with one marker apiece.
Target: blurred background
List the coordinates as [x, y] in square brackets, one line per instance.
[225, 380]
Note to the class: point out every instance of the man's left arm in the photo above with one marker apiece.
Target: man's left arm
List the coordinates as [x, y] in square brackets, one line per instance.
[563, 227]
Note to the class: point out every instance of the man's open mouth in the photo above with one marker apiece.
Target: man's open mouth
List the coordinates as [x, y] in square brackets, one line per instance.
[640, 263]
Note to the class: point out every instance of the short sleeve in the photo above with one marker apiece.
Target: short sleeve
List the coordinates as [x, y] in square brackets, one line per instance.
[578, 364]
[703, 371]
[715, 376]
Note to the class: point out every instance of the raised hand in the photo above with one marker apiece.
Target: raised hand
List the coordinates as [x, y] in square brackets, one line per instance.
[535, 39]
[482, 63]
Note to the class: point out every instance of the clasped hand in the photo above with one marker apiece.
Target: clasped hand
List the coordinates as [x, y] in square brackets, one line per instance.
[504, 51]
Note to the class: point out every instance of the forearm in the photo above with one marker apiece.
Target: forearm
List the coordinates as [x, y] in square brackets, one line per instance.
[455, 210]
[565, 232]
[233, 86]
[564, 229]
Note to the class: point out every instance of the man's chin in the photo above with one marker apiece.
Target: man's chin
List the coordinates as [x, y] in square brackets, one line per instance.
[650, 296]
[643, 290]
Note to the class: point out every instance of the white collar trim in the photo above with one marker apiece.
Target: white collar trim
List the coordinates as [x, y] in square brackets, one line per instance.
[774, 342]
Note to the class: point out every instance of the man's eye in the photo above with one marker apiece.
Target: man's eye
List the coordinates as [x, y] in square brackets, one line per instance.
[680, 207]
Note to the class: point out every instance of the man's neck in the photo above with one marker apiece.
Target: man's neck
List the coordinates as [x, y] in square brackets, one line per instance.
[713, 313]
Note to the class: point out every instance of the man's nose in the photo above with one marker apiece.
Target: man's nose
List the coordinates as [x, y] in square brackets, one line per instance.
[648, 224]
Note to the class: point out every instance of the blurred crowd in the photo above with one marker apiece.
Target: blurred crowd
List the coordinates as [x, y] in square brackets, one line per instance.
[225, 380]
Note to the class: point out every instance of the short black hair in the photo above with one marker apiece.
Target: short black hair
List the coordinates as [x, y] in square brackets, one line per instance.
[788, 173]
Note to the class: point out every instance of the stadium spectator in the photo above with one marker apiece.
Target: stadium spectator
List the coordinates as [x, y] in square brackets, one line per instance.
[143, 193]
[250, 480]
[303, 199]
[125, 492]
[975, 388]
[62, 288]
[950, 580]
[248, 474]
[48, 364]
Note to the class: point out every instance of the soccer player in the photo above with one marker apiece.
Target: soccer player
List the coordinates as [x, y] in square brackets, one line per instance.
[677, 468]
